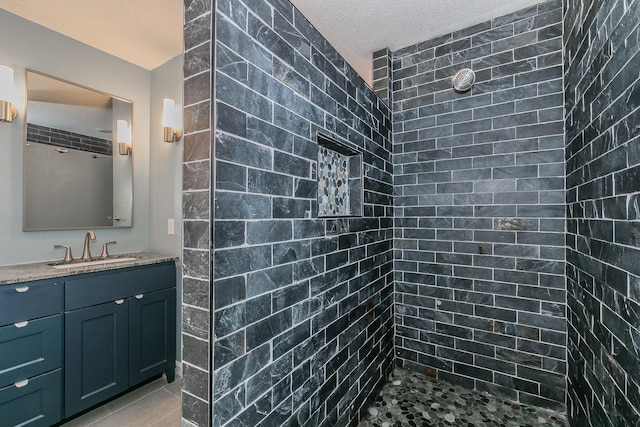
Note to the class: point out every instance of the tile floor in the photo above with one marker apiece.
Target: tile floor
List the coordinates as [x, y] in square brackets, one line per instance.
[413, 399]
[156, 404]
[408, 399]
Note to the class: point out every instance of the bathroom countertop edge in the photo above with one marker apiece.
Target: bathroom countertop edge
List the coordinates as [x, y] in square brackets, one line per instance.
[12, 274]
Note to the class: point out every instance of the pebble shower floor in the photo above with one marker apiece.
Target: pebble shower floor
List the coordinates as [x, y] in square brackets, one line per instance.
[413, 399]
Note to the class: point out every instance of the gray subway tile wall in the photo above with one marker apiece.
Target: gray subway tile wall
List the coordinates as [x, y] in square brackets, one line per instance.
[301, 324]
[65, 139]
[458, 264]
[479, 207]
[301, 308]
[602, 102]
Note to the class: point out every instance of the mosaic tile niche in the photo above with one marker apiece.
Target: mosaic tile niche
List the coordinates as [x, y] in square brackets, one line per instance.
[339, 179]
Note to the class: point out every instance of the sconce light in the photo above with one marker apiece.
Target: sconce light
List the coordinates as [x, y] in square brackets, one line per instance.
[124, 137]
[8, 95]
[171, 121]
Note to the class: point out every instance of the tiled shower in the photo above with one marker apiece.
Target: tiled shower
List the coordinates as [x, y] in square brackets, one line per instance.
[478, 211]
[479, 207]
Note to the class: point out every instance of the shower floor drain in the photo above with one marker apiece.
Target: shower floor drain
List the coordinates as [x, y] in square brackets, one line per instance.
[413, 399]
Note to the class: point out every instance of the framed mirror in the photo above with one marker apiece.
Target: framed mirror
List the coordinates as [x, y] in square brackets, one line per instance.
[78, 169]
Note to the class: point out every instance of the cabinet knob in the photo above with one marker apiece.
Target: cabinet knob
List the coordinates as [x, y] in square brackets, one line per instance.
[139, 296]
[22, 289]
[21, 384]
[119, 301]
[21, 324]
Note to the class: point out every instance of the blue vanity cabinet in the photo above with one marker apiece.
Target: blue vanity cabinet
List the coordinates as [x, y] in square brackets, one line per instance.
[119, 331]
[31, 325]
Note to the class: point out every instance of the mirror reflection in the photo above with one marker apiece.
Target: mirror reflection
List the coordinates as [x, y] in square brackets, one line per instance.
[73, 177]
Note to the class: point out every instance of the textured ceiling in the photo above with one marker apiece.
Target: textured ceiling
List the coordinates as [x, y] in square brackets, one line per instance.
[357, 28]
[149, 32]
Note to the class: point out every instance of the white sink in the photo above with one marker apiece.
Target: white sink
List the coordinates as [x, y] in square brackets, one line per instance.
[96, 262]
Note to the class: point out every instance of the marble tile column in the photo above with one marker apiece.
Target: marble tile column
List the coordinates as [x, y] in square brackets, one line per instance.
[197, 172]
[382, 75]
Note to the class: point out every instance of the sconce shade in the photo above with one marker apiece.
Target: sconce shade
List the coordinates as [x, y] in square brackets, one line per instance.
[124, 137]
[171, 121]
[168, 108]
[8, 95]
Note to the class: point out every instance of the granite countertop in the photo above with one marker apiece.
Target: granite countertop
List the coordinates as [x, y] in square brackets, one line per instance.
[42, 270]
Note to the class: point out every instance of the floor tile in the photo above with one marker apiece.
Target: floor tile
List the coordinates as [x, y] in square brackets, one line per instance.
[134, 395]
[171, 420]
[413, 399]
[88, 418]
[175, 387]
[156, 403]
[144, 412]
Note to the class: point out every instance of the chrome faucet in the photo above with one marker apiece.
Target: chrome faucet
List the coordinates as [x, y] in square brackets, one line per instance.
[86, 253]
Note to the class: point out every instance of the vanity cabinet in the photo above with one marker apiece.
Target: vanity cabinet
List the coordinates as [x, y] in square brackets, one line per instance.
[31, 353]
[119, 331]
[73, 342]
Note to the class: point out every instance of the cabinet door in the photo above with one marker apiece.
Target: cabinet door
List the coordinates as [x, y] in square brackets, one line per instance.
[152, 335]
[96, 355]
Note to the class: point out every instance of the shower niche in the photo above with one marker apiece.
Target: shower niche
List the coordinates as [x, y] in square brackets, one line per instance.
[339, 174]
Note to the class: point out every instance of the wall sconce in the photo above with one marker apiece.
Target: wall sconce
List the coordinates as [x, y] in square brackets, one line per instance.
[124, 137]
[171, 121]
[8, 95]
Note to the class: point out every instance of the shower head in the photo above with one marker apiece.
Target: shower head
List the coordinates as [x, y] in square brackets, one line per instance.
[463, 80]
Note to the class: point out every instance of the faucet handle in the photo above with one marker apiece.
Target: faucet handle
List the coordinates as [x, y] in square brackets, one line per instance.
[105, 250]
[67, 256]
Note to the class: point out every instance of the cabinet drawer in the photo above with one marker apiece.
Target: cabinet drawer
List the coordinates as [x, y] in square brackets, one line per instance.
[92, 289]
[34, 404]
[29, 300]
[30, 348]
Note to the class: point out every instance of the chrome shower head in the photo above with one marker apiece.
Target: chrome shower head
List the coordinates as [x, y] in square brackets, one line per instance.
[463, 80]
